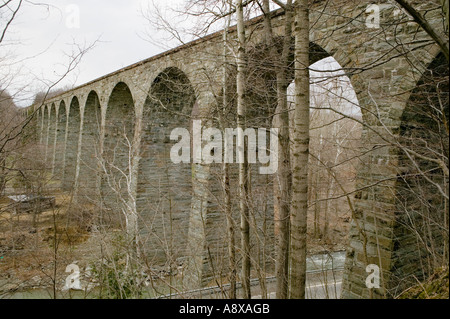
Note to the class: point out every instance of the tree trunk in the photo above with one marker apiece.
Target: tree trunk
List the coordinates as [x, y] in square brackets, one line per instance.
[226, 180]
[243, 183]
[282, 179]
[299, 209]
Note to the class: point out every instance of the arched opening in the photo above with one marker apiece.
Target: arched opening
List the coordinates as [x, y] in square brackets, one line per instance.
[60, 141]
[41, 124]
[335, 139]
[164, 188]
[334, 148]
[52, 133]
[71, 149]
[89, 164]
[47, 129]
[119, 124]
[262, 76]
[421, 235]
[44, 110]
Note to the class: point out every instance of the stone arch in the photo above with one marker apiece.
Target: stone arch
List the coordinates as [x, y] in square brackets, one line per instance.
[45, 123]
[264, 76]
[171, 91]
[71, 149]
[119, 125]
[61, 140]
[203, 177]
[383, 93]
[41, 124]
[52, 132]
[164, 188]
[335, 140]
[114, 88]
[90, 148]
[330, 47]
[47, 132]
[421, 208]
[261, 65]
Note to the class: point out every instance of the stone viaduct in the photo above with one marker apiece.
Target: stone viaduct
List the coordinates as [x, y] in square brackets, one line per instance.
[120, 125]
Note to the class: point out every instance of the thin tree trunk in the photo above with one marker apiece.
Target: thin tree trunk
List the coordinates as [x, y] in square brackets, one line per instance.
[226, 180]
[299, 209]
[282, 179]
[243, 184]
[316, 206]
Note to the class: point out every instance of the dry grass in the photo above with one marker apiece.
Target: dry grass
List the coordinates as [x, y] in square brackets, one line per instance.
[436, 287]
[28, 252]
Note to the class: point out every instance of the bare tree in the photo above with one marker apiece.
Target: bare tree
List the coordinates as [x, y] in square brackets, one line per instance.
[299, 208]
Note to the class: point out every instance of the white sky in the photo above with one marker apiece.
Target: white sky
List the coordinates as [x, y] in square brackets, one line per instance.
[43, 38]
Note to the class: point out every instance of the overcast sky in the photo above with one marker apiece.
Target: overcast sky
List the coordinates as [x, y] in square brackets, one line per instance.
[45, 36]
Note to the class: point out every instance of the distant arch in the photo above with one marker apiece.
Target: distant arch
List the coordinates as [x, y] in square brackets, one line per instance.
[71, 150]
[52, 133]
[45, 123]
[164, 188]
[42, 124]
[61, 141]
[90, 152]
[119, 125]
